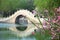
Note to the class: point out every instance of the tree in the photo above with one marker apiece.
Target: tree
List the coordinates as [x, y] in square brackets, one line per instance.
[50, 5]
[12, 5]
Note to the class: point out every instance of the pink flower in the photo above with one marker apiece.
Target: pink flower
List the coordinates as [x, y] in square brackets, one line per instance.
[58, 17]
[34, 12]
[58, 10]
[46, 25]
[33, 33]
[53, 21]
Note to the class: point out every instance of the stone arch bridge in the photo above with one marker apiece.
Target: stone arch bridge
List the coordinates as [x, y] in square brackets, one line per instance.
[22, 13]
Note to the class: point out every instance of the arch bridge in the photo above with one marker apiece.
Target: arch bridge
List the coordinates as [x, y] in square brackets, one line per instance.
[16, 19]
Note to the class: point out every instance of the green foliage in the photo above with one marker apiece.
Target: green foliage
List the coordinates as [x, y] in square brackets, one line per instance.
[47, 4]
[43, 36]
[6, 5]
[41, 4]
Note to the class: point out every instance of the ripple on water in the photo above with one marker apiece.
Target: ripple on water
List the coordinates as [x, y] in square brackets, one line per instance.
[8, 36]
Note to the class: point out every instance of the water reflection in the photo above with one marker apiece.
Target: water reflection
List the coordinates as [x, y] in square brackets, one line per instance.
[28, 38]
[7, 34]
[4, 25]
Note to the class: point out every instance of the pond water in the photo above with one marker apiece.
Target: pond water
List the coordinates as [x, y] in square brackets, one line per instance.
[6, 34]
[4, 25]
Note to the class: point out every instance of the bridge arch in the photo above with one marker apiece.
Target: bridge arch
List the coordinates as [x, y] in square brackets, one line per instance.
[21, 20]
[30, 28]
[30, 17]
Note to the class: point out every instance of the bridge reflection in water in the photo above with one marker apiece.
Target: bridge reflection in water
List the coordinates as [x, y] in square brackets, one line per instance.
[6, 34]
[13, 29]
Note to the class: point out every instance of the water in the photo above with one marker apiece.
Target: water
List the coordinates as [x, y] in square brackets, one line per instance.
[7, 34]
[5, 25]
